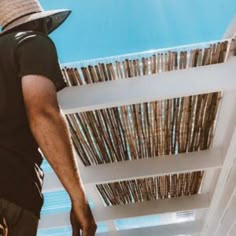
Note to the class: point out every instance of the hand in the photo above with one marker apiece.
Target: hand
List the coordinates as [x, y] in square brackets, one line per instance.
[82, 219]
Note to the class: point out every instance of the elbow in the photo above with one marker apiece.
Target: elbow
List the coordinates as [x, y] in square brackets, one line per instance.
[46, 113]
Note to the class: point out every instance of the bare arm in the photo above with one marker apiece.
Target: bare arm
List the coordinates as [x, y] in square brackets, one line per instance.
[51, 133]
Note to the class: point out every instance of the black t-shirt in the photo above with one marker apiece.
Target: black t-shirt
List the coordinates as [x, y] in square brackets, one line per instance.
[22, 53]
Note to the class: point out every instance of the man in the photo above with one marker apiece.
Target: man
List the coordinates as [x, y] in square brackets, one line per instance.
[30, 118]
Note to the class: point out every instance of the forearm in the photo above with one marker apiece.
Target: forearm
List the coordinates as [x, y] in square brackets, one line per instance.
[52, 135]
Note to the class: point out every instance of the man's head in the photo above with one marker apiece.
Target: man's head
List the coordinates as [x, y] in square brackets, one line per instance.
[29, 15]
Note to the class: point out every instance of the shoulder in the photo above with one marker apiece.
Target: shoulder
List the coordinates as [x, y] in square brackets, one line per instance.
[33, 37]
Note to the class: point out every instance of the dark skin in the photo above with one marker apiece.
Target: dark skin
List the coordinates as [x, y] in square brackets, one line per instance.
[44, 114]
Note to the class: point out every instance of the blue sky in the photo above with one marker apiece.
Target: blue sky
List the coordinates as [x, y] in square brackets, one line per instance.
[101, 28]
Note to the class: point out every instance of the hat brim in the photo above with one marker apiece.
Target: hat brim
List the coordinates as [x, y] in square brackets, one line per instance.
[57, 18]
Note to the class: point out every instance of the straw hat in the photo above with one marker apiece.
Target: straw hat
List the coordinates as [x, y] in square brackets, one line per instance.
[17, 12]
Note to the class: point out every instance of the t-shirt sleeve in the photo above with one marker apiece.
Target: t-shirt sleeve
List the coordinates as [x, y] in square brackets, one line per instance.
[36, 55]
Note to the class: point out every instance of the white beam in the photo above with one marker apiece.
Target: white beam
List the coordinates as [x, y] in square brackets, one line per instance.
[233, 230]
[228, 220]
[152, 207]
[225, 119]
[154, 87]
[209, 181]
[225, 123]
[106, 173]
[230, 186]
[181, 163]
[102, 214]
[189, 228]
[212, 218]
[225, 203]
